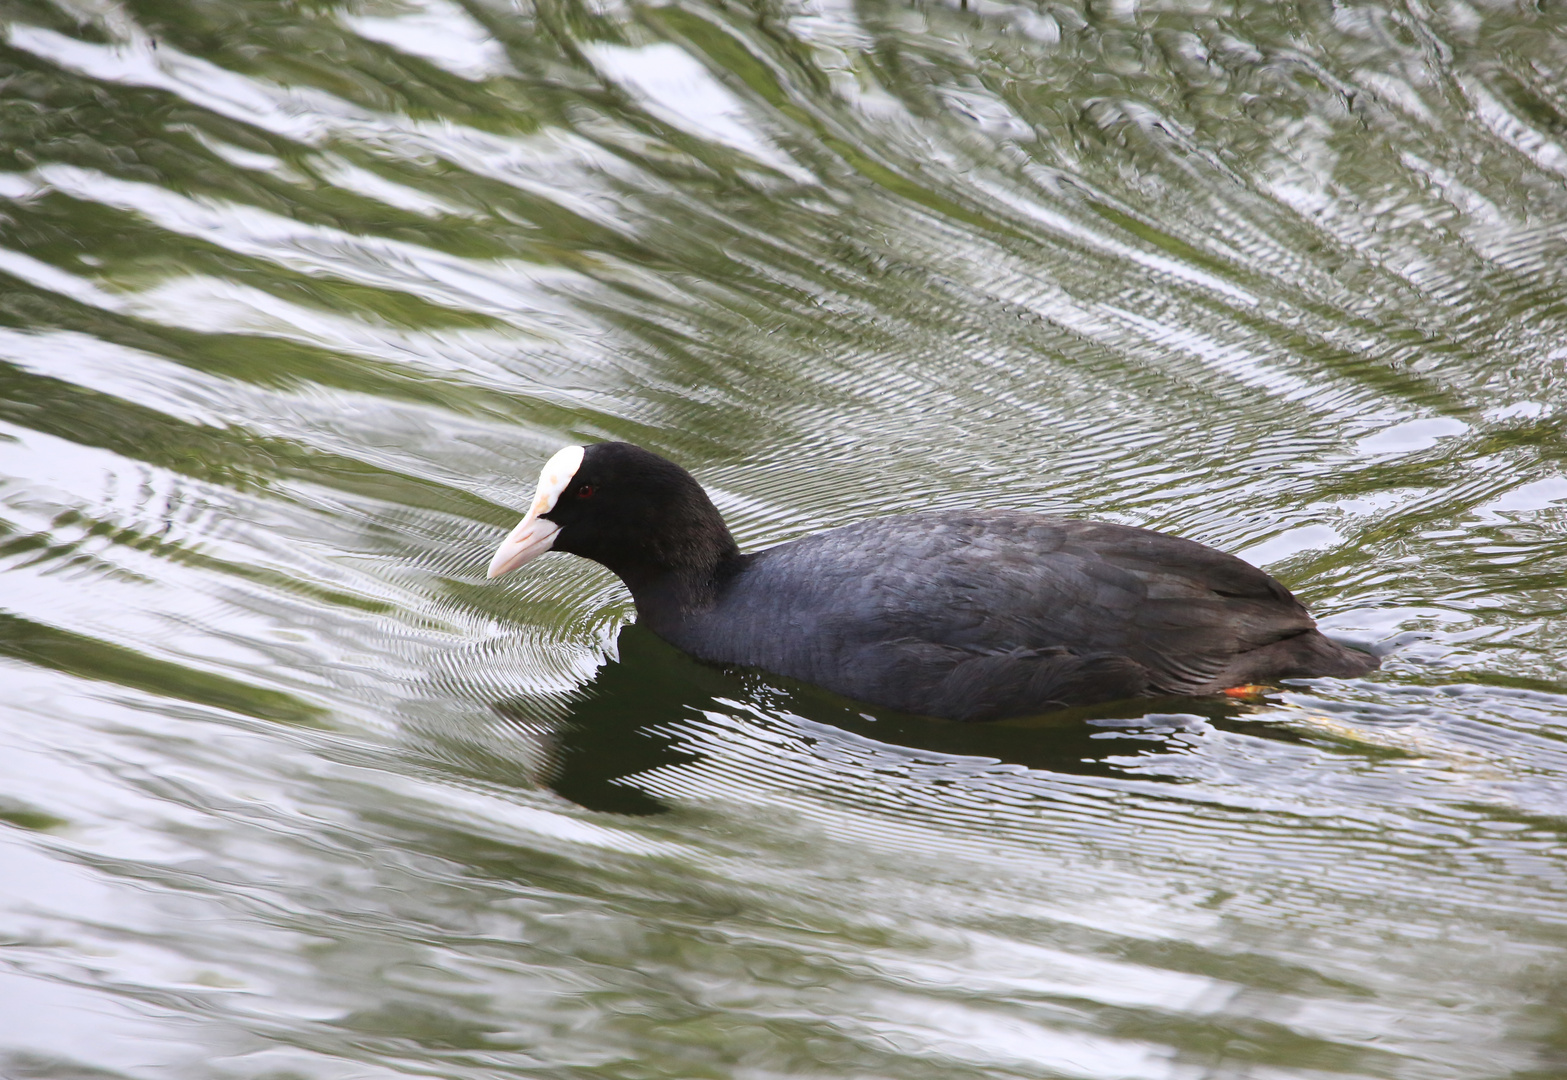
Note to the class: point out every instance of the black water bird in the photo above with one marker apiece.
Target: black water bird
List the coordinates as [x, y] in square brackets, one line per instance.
[964, 614]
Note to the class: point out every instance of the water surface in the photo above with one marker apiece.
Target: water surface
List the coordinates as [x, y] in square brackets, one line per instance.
[296, 297]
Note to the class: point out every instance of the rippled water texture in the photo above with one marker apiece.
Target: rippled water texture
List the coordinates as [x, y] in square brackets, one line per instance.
[297, 296]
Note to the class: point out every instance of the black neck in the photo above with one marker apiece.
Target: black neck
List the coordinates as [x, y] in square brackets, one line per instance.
[666, 594]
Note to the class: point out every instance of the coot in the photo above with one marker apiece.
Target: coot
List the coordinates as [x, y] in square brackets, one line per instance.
[966, 614]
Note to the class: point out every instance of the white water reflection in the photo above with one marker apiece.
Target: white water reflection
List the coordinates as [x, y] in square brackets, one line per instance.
[1412, 435]
[435, 30]
[673, 86]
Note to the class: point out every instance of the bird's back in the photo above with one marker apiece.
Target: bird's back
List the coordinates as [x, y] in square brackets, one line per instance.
[982, 614]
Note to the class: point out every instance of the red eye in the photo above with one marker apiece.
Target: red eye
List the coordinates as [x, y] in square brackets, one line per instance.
[585, 491]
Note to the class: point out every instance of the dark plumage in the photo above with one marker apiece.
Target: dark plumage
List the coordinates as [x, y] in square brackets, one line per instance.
[970, 614]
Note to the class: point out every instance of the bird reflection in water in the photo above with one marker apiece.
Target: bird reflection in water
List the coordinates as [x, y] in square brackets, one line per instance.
[629, 723]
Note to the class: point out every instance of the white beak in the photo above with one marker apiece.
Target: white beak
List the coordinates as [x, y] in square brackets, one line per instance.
[530, 539]
[534, 535]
